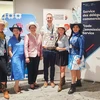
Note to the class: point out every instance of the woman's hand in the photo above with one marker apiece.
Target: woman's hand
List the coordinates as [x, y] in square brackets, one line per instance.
[10, 52]
[57, 48]
[78, 61]
[27, 60]
[41, 58]
[11, 55]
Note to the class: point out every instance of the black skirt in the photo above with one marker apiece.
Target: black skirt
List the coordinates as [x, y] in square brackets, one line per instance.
[62, 58]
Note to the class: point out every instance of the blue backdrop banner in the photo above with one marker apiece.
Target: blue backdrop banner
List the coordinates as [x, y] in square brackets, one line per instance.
[22, 20]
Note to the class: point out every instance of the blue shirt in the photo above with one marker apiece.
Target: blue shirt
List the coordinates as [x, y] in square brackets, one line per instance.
[77, 42]
[17, 46]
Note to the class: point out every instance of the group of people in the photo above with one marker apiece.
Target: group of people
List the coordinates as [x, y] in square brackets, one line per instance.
[51, 44]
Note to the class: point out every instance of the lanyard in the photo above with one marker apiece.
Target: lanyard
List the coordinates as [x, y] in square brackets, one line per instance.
[51, 30]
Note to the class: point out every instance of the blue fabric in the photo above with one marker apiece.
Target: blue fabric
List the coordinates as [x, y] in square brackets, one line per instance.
[18, 58]
[70, 61]
[78, 42]
[72, 64]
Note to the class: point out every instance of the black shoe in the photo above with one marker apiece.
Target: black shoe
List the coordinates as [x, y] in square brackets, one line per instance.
[36, 85]
[72, 89]
[32, 88]
[78, 83]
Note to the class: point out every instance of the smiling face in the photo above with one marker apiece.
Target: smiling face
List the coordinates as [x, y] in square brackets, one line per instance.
[61, 31]
[49, 18]
[76, 29]
[2, 26]
[16, 32]
[32, 28]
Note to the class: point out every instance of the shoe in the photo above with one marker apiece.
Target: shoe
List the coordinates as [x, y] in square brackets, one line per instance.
[20, 88]
[72, 89]
[6, 94]
[4, 91]
[32, 86]
[52, 84]
[59, 88]
[17, 89]
[63, 80]
[78, 83]
[36, 85]
[60, 85]
[45, 84]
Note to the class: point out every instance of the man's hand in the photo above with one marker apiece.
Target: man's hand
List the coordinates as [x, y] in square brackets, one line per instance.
[57, 48]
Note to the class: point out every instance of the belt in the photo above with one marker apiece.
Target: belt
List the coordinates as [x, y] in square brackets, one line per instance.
[50, 48]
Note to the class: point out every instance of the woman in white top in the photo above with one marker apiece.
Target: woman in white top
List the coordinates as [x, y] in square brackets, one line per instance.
[62, 47]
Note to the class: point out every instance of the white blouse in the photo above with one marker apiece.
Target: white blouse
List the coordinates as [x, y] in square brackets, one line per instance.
[63, 43]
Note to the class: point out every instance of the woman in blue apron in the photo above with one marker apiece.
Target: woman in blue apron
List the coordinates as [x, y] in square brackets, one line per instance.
[16, 52]
[76, 55]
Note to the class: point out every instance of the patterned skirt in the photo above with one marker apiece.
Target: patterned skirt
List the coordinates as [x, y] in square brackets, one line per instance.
[72, 63]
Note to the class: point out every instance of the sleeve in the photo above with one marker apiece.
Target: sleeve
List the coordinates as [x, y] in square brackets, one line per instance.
[26, 39]
[7, 40]
[67, 43]
[42, 31]
[10, 43]
[41, 54]
[81, 46]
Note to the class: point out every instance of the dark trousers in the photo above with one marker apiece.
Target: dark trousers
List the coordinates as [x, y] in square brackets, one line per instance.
[49, 57]
[3, 69]
[32, 68]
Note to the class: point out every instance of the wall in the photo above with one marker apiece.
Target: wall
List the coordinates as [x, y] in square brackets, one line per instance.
[36, 7]
[6, 7]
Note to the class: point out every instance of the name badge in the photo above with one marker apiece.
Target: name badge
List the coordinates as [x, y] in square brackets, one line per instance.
[52, 37]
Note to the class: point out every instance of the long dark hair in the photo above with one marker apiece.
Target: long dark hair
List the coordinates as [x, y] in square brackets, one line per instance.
[56, 44]
[80, 31]
[19, 37]
[64, 33]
